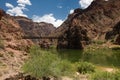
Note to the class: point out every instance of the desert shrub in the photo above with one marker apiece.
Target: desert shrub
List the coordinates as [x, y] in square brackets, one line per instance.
[62, 68]
[35, 51]
[44, 64]
[116, 75]
[105, 76]
[99, 42]
[85, 67]
[39, 66]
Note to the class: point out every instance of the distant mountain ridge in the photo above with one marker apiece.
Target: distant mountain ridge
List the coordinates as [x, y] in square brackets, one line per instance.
[34, 28]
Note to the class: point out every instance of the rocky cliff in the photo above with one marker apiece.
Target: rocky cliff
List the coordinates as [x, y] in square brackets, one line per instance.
[89, 24]
[33, 28]
[12, 47]
[114, 34]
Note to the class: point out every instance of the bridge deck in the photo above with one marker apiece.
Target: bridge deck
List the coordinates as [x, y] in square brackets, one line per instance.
[39, 37]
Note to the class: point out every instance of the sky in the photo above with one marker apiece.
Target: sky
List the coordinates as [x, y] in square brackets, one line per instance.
[50, 11]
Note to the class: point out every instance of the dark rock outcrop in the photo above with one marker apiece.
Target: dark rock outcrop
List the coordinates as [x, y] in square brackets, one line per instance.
[115, 31]
[114, 34]
[73, 38]
[93, 23]
[2, 13]
[117, 41]
[21, 76]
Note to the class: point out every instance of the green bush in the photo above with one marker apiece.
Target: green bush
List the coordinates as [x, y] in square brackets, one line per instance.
[62, 68]
[117, 76]
[105, 76]
[39, 66]
[85, 67]
[44, 64]
[99, 42]
[34, 51]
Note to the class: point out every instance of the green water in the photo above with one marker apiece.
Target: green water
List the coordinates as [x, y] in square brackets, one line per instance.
[102, 57]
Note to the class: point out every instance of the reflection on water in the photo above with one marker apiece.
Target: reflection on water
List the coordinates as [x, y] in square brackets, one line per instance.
[103, 57]
[71, 55]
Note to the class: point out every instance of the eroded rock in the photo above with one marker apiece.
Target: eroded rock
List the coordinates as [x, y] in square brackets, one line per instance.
[89, 24]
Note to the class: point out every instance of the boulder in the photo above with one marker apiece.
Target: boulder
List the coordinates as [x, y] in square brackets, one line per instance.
[117, 41]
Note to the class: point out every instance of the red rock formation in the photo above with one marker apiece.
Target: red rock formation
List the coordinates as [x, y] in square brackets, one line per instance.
[13, 48]
[90, 24]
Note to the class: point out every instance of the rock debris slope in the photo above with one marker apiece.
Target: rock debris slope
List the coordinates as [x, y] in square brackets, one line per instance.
[12, 47]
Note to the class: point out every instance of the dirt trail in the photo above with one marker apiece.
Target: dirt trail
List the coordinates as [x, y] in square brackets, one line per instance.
[108, 69]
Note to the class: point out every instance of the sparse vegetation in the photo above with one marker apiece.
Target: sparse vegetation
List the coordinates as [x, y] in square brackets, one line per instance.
[105, 76]
[85, 67]
[98, 42]
[44, 64]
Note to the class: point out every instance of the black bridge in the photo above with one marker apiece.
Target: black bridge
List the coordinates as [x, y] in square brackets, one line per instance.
[39, 37]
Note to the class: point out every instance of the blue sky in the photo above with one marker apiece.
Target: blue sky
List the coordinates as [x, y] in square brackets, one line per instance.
[51, 11]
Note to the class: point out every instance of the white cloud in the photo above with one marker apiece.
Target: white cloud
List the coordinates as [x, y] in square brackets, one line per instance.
[25, 2]
[59, 7]
[48, 18]
[71, 11]
[85, 3]
[18, 10]
[9, 5]
[21, 5]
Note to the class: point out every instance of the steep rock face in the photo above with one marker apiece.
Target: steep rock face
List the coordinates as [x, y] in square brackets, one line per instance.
[33, 28]
[114, 34]
[89, 24]
[2, 13]
[12, 47]
[10, 31]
